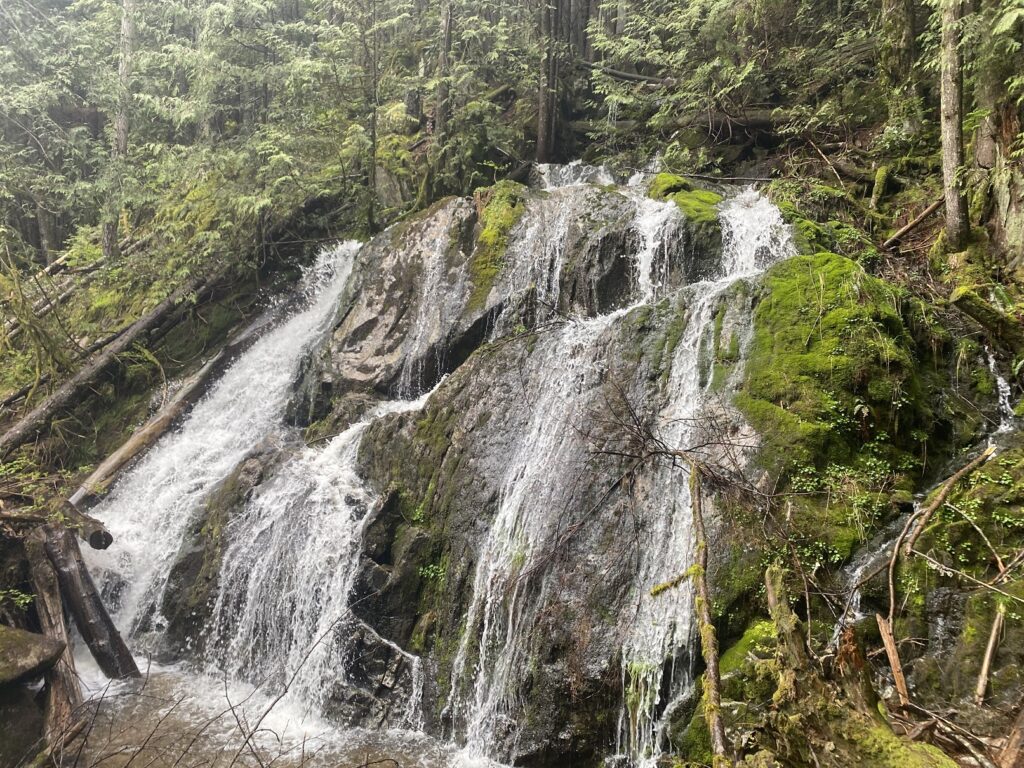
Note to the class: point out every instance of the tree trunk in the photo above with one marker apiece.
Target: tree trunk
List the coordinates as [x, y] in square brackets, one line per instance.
[83, 601]
[124, 76]
[896, 58]
[31, 425]
[951, 119]
[443, 88]
[546, 118]
[708, 638]
[63, 694]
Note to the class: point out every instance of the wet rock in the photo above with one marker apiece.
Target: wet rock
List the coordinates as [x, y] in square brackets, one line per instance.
[376, 690]
[24, 655]
[194, 578]
[21, 725]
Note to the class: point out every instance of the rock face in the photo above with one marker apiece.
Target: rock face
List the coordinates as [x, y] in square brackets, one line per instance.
[24, 655]
[524, 512]
[487, 534]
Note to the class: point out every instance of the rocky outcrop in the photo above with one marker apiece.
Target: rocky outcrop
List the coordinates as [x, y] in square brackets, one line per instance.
[24, 655]
[194, 578]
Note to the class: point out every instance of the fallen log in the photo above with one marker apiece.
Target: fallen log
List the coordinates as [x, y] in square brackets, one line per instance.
[98, 483]
[83, 601]
[1002, 328]
[63, 694]
[32, 424]
[88, 528]
[907, 229]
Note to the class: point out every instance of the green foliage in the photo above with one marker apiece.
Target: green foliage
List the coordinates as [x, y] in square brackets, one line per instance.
[16, 598]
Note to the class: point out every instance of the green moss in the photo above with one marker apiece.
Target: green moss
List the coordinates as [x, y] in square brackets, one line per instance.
[831, 364]
[501, 207]
[700, 206]
[759, 636]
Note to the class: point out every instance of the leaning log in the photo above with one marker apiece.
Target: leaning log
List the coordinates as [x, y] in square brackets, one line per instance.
[63, 694]
[88, 528]
[93, 487]
[32, 424]
[83, 602]
[1003, 328]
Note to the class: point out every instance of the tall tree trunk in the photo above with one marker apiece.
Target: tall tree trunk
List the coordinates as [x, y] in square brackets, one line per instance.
[992, 69]
[951, 119]
[546, 119]
[442, 106]
[124, 76]
[897, 54]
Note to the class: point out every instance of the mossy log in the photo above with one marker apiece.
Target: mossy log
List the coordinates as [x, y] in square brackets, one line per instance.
[63, 694]
[33, 423]
[1003, 328]
[83, 601]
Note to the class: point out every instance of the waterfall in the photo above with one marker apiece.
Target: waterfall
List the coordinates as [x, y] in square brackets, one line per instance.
[753, 236]
[1004, 392]
[150, 509]
[573, 174]
[565, 370]
[281, 614]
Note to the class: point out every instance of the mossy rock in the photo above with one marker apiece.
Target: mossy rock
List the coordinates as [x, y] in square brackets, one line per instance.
[699, 207]
[831, 364]
[500, 208]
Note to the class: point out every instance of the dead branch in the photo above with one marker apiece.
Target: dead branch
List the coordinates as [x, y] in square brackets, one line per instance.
[914, 224]
[708, 638]
[990, 651]
[894, 659]
[943, 494]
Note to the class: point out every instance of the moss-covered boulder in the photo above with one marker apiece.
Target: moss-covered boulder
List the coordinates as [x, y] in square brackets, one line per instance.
[700, 208]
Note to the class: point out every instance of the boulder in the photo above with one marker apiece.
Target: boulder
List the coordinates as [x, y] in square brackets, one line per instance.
[25, 655]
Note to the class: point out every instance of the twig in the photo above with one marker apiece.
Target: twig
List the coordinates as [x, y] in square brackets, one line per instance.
[943, 494]
[945, 569]
[990, 650]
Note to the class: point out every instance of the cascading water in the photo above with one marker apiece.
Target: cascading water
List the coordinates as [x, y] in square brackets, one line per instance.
[573, 174]
[150, 509]
[754, 236]
[493, 651]
[1004, 391]
[281, 612]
